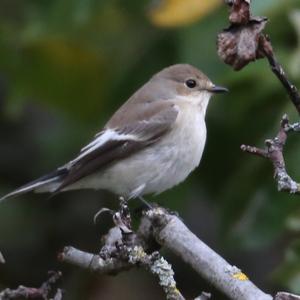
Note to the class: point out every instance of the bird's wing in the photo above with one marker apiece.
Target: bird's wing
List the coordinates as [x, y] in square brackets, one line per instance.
[145, 127]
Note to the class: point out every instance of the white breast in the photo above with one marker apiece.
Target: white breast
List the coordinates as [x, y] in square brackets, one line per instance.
[182, 150]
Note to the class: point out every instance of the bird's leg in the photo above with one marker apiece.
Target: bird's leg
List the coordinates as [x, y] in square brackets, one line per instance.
[122, 218]
[147, 204]
[116, 241]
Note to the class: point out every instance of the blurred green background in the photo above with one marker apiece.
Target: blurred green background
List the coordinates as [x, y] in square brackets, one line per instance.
[66, 65]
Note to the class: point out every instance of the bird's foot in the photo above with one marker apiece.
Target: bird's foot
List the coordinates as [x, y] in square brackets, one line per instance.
[122, 214]
[122, 218]
[121, 235]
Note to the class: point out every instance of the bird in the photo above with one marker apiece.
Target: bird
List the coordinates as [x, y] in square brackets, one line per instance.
[149, 145]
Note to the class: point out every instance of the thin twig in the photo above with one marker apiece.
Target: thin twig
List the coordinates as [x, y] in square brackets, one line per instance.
[273, 151]
[266, 47]
[43, 292]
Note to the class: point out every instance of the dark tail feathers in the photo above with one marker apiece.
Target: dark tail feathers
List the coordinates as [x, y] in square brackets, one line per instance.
[46, 183]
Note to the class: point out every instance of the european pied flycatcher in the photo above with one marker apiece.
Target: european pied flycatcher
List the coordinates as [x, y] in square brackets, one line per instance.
[150, 144]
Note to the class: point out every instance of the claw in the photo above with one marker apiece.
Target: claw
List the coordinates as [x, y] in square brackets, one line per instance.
[100, 212]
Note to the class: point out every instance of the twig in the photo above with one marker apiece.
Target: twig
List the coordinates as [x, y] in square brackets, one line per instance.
[274, 152]
[159, 267]
[277, 69]
[43, 292]
[91, 261]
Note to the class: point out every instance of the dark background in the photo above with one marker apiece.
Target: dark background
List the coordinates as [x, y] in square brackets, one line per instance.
[66, 65]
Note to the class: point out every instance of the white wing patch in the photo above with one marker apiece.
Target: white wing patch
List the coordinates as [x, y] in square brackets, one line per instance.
[102, 138]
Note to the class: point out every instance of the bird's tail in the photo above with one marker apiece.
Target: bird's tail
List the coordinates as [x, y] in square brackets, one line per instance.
[47, 183]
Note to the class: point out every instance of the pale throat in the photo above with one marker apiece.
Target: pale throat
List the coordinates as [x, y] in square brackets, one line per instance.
[200, 100]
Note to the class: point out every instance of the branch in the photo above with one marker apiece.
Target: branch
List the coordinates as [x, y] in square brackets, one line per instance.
[171, 232]
[273, 151]
[286, 296]
[122, 251]
[154, 263]
[43, 292]
[92, 262]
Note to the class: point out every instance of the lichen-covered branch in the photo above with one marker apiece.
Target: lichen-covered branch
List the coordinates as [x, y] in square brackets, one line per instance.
[45, 291]
[172, 233]
[124, 248]
[273, 151]
[91, 261]
[128, 258]
[159, 267]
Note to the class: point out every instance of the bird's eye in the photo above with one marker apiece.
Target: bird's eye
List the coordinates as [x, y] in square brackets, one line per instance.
[191, 83]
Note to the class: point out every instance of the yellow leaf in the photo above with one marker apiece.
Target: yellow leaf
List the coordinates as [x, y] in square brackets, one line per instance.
[175, 13]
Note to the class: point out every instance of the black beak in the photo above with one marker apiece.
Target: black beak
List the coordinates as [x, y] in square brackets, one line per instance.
[218, 89]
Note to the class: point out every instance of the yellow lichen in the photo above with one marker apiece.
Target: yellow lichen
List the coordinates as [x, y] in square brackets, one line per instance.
[240, 276]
